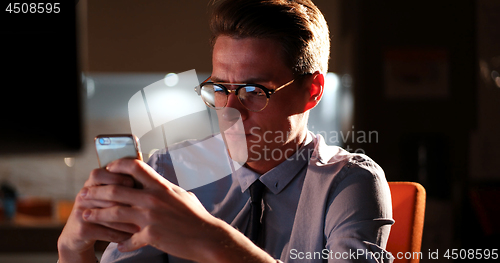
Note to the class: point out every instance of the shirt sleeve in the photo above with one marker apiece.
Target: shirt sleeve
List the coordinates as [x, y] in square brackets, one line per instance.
[359, 218]
[145, 254]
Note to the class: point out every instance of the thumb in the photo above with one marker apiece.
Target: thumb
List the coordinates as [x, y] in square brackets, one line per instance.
[133, 243]
[142, 173]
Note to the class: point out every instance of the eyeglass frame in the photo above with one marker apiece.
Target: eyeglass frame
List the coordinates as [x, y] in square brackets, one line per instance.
[228, 92]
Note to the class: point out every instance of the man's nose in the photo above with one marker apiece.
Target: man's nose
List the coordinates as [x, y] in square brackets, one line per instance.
[233, 103]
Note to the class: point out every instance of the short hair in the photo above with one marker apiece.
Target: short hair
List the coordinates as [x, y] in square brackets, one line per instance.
[298, 25]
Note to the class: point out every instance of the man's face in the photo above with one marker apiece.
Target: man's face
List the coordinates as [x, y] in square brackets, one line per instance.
[271, 134]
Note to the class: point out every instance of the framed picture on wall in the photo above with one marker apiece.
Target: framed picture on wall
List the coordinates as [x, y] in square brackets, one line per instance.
[415, 73]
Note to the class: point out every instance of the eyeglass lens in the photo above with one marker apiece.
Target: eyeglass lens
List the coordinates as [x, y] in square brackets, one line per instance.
[252, 97]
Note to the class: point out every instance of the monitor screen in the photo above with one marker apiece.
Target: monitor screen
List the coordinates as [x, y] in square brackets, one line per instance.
[40, 80]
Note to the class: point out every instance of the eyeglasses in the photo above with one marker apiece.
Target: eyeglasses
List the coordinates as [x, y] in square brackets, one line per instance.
[253, 97]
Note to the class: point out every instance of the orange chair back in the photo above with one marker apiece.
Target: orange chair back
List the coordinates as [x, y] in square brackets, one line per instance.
[408, 206]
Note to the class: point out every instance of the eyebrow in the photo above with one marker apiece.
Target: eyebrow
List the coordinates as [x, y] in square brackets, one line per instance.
[249, 80]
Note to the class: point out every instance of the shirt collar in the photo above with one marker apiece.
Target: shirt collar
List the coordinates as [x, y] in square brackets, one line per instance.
[280, 176]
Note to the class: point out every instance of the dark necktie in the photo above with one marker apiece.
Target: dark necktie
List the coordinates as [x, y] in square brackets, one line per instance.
[255, 226]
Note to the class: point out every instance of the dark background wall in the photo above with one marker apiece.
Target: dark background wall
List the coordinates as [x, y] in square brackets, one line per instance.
[155, 35]
[439, 123]
[440, 139]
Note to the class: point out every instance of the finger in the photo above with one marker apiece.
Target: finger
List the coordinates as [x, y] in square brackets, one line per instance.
[141, 172]
[135, 242]
[122, 227]
[116, 194]
[85, 201]
[146, 198]
[90, 231]
[98, 203]
[99, 232]
[103, 204]
[102, 176]
[116, 214]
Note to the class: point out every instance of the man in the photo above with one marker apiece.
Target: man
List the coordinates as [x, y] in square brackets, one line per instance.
[319, 202]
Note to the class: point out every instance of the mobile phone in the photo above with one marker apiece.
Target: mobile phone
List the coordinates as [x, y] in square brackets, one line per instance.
[110, 147]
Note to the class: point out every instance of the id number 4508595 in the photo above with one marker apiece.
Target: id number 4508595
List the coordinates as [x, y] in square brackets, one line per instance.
[33, 8]
[471, 254]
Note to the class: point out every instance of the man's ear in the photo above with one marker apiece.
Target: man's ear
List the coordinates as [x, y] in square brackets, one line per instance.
[315, 90]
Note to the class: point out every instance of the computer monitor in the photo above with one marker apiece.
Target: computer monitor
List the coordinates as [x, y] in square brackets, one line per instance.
[40, 87]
